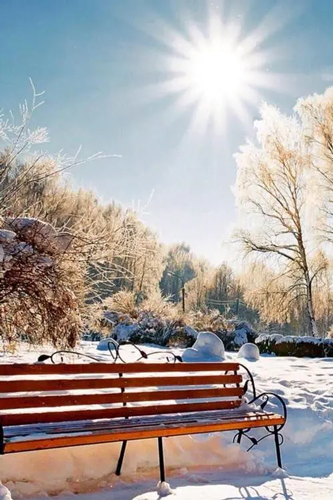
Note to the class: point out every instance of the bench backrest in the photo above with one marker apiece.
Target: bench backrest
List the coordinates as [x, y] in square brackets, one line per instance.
[40, 393]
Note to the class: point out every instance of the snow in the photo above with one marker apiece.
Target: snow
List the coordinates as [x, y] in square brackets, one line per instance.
[201, 467]
[277, 338]
[4, 493]
[207, 347]
[249, 351]
[124, 332]
[41, 234]
[6, 235]
[240, 337]
[164, 489]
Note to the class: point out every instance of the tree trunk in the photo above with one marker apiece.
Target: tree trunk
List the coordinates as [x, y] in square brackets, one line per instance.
[309, 303]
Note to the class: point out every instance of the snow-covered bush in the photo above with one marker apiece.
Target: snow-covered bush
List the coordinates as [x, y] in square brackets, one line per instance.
[181, 337]
[280, 345]
[210, 321]
[123, 302]
[160, 322]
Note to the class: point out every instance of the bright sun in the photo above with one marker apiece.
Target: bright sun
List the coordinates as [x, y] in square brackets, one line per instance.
[213, 72]
[217, 72]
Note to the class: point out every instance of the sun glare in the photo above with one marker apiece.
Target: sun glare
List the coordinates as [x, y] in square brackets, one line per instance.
[213, 71]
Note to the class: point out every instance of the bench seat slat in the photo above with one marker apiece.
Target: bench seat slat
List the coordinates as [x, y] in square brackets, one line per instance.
[11, 386]
[105, 424]
[142, 432]
[85, 368]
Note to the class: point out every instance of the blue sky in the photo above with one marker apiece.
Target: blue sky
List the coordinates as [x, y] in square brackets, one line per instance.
[99, 62]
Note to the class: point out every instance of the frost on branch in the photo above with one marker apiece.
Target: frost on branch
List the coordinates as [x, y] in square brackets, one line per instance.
[36, 300]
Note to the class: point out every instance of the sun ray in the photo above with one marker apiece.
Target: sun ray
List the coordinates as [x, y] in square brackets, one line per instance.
[212, 68]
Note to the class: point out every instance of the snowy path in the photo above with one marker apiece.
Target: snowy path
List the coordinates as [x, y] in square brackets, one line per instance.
[202, 467]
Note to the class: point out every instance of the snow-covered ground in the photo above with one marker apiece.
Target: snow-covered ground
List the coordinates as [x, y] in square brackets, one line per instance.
[199, 467]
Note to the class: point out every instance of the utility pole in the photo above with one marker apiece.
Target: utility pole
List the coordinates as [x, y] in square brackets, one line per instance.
[171, 273]
[237, 306]
[183, 296]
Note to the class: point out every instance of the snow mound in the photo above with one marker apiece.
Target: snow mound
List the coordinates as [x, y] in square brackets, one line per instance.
[250, 352]
[4, 493]
[104, 344]
[164, 489]
[280, 473]
[207, 348]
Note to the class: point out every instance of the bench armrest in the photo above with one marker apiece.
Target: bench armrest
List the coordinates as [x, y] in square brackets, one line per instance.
[249, 381]
[265, 398]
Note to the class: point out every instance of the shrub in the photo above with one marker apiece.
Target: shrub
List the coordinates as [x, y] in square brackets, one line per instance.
[38, 279]
[295, 346]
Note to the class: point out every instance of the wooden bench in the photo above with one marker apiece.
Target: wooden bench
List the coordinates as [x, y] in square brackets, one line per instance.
[45, 406]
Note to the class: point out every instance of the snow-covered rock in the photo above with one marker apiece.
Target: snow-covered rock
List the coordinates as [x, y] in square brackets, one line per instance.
[104, 344]
[207, 348]
[249, 352]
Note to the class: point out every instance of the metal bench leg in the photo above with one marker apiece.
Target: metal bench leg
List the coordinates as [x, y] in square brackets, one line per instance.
[121, 458]
[239, 436]
[277, 446]
[161, 459]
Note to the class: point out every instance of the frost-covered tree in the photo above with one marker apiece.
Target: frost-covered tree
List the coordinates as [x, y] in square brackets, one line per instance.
[42, 286]
[272, 189]
[316, 113]
[179, 269]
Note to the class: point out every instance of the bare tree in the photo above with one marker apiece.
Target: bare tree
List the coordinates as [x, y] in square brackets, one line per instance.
[272, 187]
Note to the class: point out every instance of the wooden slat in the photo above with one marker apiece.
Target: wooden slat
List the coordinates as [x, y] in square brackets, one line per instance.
[100, 437]
[9, 386]
[73, 415]
[86, 368]
[123, 397]
[109, 424]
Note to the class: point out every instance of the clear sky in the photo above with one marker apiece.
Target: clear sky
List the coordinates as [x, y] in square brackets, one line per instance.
[118, 78]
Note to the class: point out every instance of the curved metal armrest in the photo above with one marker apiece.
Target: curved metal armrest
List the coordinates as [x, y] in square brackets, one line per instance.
[249, 381]
[45, 357]
[115, 346]
[265, 396]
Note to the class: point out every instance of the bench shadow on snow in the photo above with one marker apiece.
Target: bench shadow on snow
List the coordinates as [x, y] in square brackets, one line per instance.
[247, 489]
[250, 492]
